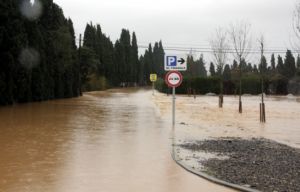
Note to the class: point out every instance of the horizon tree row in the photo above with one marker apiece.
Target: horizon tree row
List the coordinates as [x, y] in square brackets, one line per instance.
[287, 68]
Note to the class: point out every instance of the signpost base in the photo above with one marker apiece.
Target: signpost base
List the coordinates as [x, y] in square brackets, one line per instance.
[153, 87]
[173, 107]
[173, 79]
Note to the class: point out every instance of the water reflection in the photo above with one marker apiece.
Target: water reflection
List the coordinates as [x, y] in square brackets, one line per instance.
[104, 141]
[32, 9]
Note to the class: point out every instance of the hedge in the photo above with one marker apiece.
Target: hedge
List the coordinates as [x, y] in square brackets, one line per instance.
[204, 85]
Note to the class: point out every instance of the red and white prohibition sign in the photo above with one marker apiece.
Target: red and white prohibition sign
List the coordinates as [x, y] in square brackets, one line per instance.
[173, 79]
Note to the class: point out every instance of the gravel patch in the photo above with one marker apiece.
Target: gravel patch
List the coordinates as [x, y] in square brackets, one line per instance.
[257, 163]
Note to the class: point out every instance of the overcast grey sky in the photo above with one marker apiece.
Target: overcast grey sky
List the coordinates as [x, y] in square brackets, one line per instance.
[187, 23]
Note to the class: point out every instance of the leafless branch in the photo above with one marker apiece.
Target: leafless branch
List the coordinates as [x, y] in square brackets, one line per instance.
[296, 27]
[219, 45]
[241, 39]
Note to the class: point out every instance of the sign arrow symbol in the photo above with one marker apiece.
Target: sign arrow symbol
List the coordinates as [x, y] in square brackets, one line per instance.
[181, 61]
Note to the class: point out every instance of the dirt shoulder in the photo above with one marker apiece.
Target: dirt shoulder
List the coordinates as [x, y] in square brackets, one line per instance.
[257, 163]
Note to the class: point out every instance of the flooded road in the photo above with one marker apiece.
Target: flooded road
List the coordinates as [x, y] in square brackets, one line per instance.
[104, 141]
[201, 118]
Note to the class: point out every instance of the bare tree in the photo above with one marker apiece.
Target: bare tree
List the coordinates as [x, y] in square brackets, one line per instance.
[219, 45]
[296, 26]
[262, 73]
[241, 41]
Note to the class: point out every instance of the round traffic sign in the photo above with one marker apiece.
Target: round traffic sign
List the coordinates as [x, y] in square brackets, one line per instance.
[173, 79]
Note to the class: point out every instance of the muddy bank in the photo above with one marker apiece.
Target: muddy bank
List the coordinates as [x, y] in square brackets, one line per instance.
[257, 163]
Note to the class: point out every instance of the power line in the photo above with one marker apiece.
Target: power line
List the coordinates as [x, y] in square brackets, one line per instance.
[207, 49]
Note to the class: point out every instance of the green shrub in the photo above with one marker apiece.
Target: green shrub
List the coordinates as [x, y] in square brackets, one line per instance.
[95, 83]
[251, 84]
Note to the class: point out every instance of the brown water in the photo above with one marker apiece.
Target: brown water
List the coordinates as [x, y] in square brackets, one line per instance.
[204, 119]
[101, 142]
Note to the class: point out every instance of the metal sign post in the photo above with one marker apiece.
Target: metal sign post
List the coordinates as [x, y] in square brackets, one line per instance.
[173, 106]
[173, 79]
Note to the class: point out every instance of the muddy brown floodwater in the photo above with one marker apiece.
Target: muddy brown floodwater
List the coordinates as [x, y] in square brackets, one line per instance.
[201, 118]
[103, 141]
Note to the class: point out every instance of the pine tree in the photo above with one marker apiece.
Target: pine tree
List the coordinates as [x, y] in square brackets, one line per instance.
[243, 66]
[200, 67]
[212, 70]
[120, 62]
[255, 69]
[227, 73]
[298, 66]
[108, 60]
[289, 65]
[273, 64]
[249, 68]
[101, 68]
[134, 60]
[141, 70]
[148, 64]
[280, 65]
[156, 58]
[234, 65]
[125, 40]
[263, 65]
[298, 62]
[161, 58]
[191, 70]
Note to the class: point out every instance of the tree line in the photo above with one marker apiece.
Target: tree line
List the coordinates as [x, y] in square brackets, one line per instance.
[38, 55]
[278, 75]
[118, 63]
[287, 67]
[40, 60]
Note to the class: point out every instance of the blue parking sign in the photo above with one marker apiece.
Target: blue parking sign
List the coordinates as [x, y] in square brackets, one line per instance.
[175, 62]
[171, 61]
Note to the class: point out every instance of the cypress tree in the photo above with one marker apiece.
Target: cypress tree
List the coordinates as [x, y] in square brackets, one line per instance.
[298, 62]
[227, 73]
[212, 69]
[134, 60]
[108, 59]
[148, 64]
[249, 68]
[192, 69]
[263, 65]
[126, 46]
[200, 67]
[234, 65]
[161, 57]
[120, 62]
[280, 65]
[255, 69]
[273, 64]
[298, 66]
[289, 65]
[156, 56]
[141, 70]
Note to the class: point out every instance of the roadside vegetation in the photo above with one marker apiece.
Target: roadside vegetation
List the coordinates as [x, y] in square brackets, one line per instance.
[42, 59]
